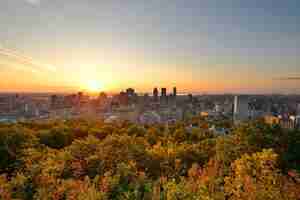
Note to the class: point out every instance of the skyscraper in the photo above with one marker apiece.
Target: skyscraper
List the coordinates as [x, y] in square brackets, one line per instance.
[163, 92]
[241, 109]
[298, 109]
[53, 100]
[130, 92]
[102, 96]
[155, 94]
[123, 98]
[174, 91]
[190, 98]
[164, 98]
[5, 104]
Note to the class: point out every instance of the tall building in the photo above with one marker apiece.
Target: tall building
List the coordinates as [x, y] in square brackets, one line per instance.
[155, 94]
[70, 100]
[190, 98]
[132, 96]
[53, 101]
[5, 104]
[80, 95]
[298, 109]
[102, 96]
[241, 108]
[164, 97]
[163, 92]
[174, 91]
[146, 99]
[123, 98]
[57, 101]
[130, 92]
[298, 122]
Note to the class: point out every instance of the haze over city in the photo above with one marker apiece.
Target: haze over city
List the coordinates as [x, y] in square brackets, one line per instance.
[198, 45]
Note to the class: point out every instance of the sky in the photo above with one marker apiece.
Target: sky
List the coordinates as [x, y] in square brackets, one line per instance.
[211, 46]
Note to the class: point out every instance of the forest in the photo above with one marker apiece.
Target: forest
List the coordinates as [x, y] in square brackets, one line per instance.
[92, 160]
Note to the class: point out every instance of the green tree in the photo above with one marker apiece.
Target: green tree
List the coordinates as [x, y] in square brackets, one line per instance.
[12, 141]
[57, 137]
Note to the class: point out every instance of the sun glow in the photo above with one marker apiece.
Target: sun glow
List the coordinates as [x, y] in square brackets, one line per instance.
[94, 86]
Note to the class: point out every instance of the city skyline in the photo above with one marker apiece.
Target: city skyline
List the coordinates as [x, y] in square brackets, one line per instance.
[198, 46]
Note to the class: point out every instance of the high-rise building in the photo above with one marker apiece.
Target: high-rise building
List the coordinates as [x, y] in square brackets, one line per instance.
[80, 95]
[174, 91]
[163, 92]
[155, 94]
[190, 98]
[146, 98]
[123, 98]
[57, 101]
[54, 99]
[130, 92]
[298, 109]
[218, 108]
[5, 104]
[164, 98]
[132, 96]
[298, 122]
[70, 100]
[241, 108]
[102, 96]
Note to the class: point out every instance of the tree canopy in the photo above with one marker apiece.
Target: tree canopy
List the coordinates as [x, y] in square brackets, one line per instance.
[93, 160]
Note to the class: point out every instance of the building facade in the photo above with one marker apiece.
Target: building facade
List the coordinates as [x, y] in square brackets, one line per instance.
[241, 109]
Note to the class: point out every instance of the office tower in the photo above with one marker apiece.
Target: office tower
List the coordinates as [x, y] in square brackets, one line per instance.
[241, 109]
[102, 100]
[218, 108]
[80, 95]
[5, 104]
[174, 91]
[155, 94]
[146, 98]
[163, 92]
[298, 122]
[298, 109]
[57, 101]
[164, 98]
[123, 98]
[130, 92]
[53, 101]
[70, 100]
[102, 96]
[132, 96]
[190, 98]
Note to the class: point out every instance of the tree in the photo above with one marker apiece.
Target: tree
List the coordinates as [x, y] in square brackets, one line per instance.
[57, 137]
[255, 177]
[12, 141]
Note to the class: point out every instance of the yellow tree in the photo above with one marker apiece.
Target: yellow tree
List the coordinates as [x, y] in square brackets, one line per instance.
[256, 177]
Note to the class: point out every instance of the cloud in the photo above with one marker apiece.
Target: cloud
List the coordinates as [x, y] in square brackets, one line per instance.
[289, 78]
[26, 60]
[19, 67]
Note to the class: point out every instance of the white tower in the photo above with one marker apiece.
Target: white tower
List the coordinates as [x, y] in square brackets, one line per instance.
[298, 109]
[241, 109]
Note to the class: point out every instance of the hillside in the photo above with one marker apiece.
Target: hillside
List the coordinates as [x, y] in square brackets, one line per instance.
[92, 160]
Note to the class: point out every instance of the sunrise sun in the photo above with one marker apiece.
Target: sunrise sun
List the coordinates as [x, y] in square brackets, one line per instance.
[94, 86]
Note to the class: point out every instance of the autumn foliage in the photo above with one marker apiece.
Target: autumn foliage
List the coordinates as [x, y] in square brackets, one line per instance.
[85, 159]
